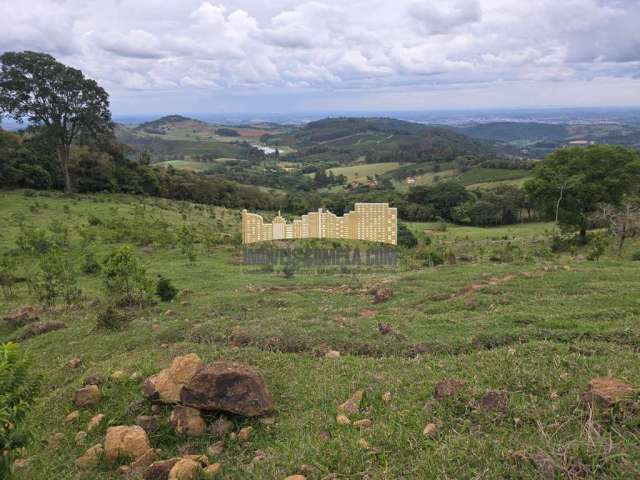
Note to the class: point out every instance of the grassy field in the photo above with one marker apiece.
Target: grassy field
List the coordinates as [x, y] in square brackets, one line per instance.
[361, 172]
[191, 165]
[537, 328]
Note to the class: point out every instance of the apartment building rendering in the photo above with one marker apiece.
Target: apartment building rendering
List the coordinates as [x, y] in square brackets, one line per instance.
[374, 222]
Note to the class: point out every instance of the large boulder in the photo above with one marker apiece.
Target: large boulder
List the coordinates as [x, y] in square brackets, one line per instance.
[188, 421]
[230, 387]
[125, 441]
[166, 385]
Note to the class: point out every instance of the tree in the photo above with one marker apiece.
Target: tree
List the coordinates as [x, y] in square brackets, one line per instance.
[623, 221]
[59, 99]
[571, 182]
[443, 197]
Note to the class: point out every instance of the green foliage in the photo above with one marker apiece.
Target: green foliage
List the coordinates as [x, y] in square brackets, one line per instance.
[406, 238]
[443, 197]
[8, 276]
[186, 240]
[90, 264]
[430, 258]
[17, 392]
[574, 181]
[33, 240]
[597, 246]
[636, 256]
[111, 318]
[289, 269]
[124, 279]
[165, 289]
[56, 278]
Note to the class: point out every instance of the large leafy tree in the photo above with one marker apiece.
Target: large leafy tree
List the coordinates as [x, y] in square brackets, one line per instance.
[57, 98]
[571, 182]
[442, 197]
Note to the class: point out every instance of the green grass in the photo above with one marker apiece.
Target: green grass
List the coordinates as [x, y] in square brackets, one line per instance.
[540, 337]
[361, 172]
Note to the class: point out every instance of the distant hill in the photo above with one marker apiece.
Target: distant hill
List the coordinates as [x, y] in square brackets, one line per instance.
[379, 140]
[516, 131]
[164, 124]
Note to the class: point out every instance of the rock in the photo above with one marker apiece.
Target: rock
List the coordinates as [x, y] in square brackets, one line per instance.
[188, 421]
[259, 456]
[332, 354]
[90, 458]
[221, 427]
[72, 417]
[20, 464]
[493, 401]
[201, 459]
[124, 470]
[384, 328]
[125, 441]
[86, 396]
[145, 460]
[362, 443]
[185, 469]
[149, 423]
[81, 436]
[54, 440]
[93, 380]
[215, 449]
[382, 295]
[352, 405]
[94, 422]
[295, 477]
[606, 391]
[386, 397]
[430, 430]
[74, 362]
[364, 423]
[40, 328]
[245, 433]
[166, 385]
[448, 388]
[343, 420]
[212, 469]
[230, 387]
[118, 375]
[159, 470]
[471, 303]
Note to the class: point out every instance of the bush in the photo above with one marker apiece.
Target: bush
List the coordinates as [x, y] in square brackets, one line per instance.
[636, 257]
[17, 391]
[289, 269]
[597, 246]
[406, 238]
[90, 264]
[111, 318]
[33, 240]
[430, 258]
[57, 278]
[8, 277]
[124, 279]
[165, 289]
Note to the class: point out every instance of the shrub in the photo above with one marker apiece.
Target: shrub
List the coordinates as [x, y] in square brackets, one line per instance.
[111, 318]
[187, 242]
[289, 269]
[636, 257]
[94, 221]
[124, 279]
[17, 391]
[406, 238]
[430, 258]
[57, 278]
[165, 289]
[33, 240]
[597, 247]
[90, 264]
[8, 277]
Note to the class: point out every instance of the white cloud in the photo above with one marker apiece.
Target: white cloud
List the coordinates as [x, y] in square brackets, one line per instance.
[356, 46]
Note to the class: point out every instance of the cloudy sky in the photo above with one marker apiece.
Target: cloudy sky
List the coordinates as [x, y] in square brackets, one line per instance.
[161, 56]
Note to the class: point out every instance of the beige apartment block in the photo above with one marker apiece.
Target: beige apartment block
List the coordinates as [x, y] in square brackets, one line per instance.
[375, 222]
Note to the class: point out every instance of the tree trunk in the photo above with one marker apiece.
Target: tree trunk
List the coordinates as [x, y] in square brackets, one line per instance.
[583, 235]
[63, 157]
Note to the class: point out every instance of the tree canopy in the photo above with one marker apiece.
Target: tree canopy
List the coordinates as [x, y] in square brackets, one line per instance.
[571, 182]
[35, 87]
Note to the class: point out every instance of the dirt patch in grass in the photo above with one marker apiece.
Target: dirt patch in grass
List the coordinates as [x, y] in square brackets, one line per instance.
[40, 328]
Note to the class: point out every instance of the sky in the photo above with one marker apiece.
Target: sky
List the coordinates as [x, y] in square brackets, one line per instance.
[233, 56]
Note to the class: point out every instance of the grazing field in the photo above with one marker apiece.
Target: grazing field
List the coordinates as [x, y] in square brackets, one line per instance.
[361, 172]
[534, 330]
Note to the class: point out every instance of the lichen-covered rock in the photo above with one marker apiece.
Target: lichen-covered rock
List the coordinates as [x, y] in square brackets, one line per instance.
[229, 387]
[90, 458]
[188, 421]
[166, 385]
[125, 441]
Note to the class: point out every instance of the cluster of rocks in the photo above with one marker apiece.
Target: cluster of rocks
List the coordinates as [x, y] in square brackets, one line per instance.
[192, 387]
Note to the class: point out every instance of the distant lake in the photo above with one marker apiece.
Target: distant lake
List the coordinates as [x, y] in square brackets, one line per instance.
[267, 150]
